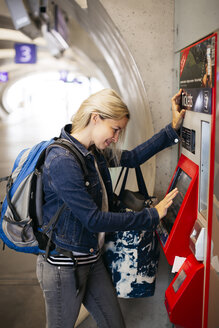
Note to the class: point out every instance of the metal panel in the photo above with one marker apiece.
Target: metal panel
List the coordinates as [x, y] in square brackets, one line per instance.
[204, 168]
[213, 313]
[18, 13]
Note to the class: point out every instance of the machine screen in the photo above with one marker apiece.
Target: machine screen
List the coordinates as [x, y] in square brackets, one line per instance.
[181, 181]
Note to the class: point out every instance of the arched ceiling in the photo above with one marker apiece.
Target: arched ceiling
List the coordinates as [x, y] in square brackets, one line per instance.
[96, 48]
[81, 57]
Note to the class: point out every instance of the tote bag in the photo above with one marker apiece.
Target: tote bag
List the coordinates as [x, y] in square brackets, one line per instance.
[131, 257]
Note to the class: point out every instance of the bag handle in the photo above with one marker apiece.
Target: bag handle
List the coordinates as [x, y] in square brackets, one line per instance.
[140, 181]
[119, 177]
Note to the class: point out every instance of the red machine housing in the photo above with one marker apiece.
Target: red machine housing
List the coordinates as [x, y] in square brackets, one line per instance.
[185, 290]
[177, 241]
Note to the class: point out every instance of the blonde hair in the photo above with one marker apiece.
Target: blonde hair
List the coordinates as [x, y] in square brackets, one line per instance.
[107, 103]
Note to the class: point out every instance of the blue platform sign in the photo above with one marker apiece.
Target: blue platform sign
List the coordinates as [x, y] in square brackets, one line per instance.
[63, 76]
[3, 76]
[25, 53]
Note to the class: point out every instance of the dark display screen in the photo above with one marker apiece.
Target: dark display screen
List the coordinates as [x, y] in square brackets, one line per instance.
[180, 181]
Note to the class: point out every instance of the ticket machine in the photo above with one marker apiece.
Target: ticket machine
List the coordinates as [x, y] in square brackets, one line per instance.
[174, 230]
[183, 232]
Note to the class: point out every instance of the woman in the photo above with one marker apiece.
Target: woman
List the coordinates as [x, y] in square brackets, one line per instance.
[69, 281]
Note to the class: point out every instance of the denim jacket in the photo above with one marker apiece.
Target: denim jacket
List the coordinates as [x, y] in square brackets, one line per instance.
[81, 220]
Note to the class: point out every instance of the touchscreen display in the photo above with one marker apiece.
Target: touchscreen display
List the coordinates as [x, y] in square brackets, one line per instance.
[180, 181]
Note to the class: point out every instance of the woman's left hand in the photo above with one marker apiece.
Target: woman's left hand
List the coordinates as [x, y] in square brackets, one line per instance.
[177, 113]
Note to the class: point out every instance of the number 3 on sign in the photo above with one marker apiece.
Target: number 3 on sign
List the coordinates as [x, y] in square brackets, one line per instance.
[25, 54]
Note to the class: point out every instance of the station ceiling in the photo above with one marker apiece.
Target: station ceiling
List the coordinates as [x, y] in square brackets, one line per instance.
[32, 33]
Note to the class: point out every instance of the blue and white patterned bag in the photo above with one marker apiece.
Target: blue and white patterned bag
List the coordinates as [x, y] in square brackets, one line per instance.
[132, 260]
[131, 257]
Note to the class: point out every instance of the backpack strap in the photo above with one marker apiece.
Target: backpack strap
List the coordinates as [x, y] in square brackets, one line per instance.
[11, 206]
[69, 146]
[53, 221]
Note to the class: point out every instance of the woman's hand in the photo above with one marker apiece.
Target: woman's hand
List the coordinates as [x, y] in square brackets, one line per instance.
[177, 113]
[164, 204]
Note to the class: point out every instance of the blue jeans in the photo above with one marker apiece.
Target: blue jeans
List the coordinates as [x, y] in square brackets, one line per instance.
[96, 293]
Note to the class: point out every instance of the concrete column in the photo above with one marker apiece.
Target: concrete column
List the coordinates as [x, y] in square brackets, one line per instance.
[148, 30]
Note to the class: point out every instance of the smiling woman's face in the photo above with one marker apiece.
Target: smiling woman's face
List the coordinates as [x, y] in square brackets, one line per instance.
[106, 131]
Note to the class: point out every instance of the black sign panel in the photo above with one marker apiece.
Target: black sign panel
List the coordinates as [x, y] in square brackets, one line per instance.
[197, 100]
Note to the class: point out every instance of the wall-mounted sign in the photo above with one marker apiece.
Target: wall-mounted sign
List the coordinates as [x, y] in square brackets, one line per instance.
[197, 65]
[63, 75]
[66, 76]
[197, 100]
[25, 53]
[3, 76]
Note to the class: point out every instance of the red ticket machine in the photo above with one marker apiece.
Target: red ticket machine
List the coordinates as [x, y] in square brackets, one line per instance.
[174, 233]
[186, 229]
[175, 228]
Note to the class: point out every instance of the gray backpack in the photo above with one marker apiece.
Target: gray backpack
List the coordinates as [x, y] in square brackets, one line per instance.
[21, 211]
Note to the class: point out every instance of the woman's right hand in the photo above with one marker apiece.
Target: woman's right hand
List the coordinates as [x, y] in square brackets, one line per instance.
[164, 204]
[177, 113]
